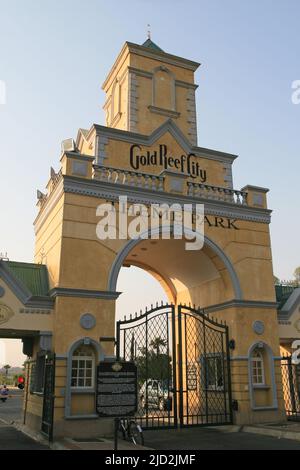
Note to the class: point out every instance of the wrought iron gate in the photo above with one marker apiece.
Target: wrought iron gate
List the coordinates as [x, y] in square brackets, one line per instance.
[183, 364]
[291, 387]
[48, 403]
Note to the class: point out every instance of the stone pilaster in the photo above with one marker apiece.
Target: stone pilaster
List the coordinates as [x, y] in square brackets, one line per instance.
[132, 102]
[192, 118]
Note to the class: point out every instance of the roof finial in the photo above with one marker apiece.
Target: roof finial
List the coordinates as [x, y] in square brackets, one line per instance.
[149, 31]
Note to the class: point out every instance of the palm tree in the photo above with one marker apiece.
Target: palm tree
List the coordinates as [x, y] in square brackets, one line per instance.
[157, 343]
[6, 367]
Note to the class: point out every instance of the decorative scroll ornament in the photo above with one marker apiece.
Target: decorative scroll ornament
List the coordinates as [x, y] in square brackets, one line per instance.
[5, 313]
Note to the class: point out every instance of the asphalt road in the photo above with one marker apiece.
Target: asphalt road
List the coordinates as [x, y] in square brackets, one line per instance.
[211, 439]
[12, 439]
[11, 410]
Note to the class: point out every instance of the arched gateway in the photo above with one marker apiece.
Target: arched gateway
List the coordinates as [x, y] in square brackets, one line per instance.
[219, 359]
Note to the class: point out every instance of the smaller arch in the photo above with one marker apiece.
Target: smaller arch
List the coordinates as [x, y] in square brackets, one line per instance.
[261, 345]
[259, 367]
[99, 356]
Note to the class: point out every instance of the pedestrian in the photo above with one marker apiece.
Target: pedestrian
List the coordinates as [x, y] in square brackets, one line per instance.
[4, 393]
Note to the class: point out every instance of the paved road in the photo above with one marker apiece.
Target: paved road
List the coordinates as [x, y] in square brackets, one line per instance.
[211, 439]
[11, 410]
[11, 439]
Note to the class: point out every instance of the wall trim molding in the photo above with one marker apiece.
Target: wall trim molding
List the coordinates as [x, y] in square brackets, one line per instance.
[240, 303]
[109, 191]
[164, 112]
[86, 293]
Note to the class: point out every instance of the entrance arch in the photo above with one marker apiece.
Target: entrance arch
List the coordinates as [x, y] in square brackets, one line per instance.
[182, 355]
[211, 257]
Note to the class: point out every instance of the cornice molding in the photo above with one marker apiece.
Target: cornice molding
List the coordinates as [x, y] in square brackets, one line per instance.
[140, 72]
[83, 293]
[240, 303]
[149, 75]
[183, 84]
[105, 190]
[163, 56]
[52, 200]
[164, 112]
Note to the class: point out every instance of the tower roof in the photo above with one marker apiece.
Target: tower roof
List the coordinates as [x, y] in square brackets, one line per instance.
[151, 45]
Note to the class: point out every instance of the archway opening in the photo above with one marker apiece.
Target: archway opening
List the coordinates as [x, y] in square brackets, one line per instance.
[139, 289]
[12, 376]
[181, 354]
[203, 277]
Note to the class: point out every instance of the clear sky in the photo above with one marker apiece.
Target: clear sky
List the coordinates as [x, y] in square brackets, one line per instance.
[54, 56]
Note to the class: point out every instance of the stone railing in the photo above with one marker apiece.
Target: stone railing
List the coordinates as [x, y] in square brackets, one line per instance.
[217, 193]
[157, 183]
[128, 178]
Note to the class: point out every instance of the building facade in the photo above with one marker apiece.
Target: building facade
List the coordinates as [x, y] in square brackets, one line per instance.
[63, 305]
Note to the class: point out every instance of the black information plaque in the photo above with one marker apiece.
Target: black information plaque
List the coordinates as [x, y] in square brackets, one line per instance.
[116, 389]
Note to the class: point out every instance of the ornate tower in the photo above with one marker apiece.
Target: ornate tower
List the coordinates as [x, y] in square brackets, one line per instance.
[146, 86]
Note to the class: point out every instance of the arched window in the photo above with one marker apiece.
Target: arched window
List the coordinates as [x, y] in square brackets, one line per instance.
[83, 367]
[163, 89]
[257, 363]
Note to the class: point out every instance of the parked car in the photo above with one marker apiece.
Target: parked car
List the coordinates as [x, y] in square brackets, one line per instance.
[158, 395]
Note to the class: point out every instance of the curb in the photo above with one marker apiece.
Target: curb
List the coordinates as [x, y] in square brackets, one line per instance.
[280, 434]
[228, 428]
[36, 436]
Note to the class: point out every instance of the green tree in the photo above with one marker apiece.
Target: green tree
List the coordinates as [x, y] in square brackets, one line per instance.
[6, 367]
[153, 363]
[158, 343]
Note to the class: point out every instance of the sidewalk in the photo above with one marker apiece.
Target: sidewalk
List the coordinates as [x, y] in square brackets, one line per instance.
[287, 430]
[95, 444]
[283, 431]
[78, 444]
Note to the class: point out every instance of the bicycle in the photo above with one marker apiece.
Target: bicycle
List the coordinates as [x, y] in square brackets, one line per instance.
[130, 430]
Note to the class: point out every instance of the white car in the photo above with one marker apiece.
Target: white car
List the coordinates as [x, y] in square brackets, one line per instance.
[158, 395]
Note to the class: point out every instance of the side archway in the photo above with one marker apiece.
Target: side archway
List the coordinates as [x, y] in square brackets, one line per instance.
[269, 380]
[99, 357]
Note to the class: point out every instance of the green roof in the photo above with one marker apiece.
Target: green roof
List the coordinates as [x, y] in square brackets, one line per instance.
[151, 45]
[33, 276]
[283, 292]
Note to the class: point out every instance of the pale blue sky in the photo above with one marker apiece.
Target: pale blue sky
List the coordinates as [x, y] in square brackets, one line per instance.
[54, 56]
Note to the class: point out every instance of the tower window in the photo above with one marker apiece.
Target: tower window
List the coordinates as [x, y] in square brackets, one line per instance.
[257, 362]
